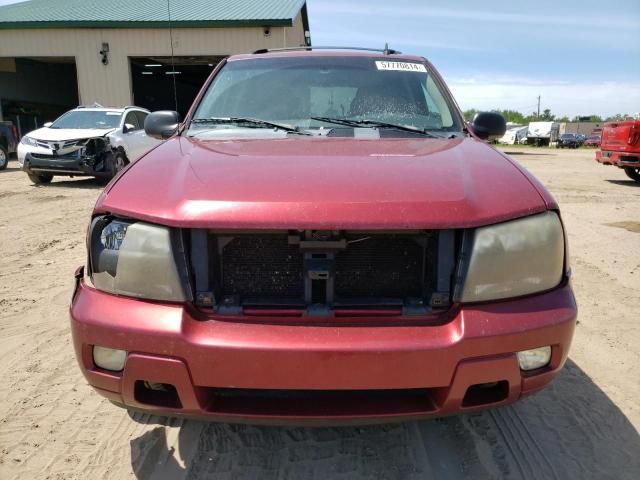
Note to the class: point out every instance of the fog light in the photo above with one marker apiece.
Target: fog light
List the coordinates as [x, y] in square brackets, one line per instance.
[109, 358]
[534, 358]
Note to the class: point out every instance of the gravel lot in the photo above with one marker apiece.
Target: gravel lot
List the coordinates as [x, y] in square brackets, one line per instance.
[52, 426]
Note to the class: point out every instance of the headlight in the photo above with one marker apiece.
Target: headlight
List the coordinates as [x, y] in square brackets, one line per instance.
[28, 141]
[137, 259]
[515, 258]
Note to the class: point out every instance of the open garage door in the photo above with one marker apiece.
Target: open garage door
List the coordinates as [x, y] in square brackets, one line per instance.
[36, 90]
[152, 80]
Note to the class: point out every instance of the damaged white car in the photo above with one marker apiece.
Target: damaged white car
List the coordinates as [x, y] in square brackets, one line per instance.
[86, 141]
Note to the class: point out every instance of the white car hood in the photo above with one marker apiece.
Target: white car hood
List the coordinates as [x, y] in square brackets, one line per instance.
[53, 134]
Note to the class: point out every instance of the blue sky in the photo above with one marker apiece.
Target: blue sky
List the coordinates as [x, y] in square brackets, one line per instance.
[582, 57]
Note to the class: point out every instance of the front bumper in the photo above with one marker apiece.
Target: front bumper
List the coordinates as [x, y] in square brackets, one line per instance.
[228, 370]
[619, 159]
[73, 165]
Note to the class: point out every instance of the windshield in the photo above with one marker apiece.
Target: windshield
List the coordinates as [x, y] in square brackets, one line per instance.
[88, 119]
[309, 92]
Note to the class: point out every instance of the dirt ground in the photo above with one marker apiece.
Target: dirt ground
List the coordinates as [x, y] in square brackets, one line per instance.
[585, 425]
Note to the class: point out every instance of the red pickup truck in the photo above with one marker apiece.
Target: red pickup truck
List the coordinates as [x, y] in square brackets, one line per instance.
[620, 146]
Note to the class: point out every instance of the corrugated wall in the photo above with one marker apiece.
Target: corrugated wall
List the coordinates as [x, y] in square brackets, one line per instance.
[111, 84]
[579, 127]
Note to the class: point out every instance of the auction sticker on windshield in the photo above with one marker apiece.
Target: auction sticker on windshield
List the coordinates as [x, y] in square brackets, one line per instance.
[401, 66]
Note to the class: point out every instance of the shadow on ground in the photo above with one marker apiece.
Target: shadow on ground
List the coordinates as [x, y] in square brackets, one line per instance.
[571, 430]
[527, 153]
[11, 167]
[88, 183]
[625, 183]
[60, 182]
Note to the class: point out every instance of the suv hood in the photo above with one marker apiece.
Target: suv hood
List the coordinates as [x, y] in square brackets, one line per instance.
[327, 183]
[53, 134]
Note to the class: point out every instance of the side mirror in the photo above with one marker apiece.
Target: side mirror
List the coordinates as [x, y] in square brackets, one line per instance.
[488, 125]
[48, 124]
[128, 128]
[162, 124]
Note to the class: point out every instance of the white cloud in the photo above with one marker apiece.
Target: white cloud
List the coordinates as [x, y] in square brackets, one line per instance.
[585, 19]
[561, 97]
[338, 34]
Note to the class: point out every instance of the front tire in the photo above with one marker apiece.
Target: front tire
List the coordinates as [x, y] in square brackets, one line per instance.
[633, 173]
[4, 158]
[115, 163]
[40, 179]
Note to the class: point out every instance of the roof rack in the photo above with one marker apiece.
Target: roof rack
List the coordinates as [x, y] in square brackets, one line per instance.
[386, 50]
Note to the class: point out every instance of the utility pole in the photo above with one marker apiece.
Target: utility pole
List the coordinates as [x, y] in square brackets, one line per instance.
[538, 118]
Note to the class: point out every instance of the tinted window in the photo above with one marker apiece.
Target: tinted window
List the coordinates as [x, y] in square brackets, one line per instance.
[141, 116]
[294, 89]
[132, 119]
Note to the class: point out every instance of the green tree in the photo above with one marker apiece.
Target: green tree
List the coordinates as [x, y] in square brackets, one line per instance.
[512, 116]
[546, 116]
[469, 114]
[587, 118]
[618, 117]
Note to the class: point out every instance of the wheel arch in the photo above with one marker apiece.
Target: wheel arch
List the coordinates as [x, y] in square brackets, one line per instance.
[123, 151]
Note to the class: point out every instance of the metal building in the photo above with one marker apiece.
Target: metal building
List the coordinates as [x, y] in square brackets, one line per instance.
[56, 54]
[585, 128]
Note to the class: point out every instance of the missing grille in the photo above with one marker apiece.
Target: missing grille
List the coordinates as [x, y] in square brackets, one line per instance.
[345, 270]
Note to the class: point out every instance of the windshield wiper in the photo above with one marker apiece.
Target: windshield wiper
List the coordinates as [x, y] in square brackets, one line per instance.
[255, 122]
[375, 124]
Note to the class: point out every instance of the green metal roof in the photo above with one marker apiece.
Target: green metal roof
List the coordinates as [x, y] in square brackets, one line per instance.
[149, 13]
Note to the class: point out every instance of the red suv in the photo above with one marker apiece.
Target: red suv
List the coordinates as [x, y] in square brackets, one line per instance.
[323, 239]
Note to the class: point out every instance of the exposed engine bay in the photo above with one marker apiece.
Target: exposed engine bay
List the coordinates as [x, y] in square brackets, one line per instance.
[320, 271]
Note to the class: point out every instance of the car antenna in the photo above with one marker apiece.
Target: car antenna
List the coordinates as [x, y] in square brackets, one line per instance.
[173, 63]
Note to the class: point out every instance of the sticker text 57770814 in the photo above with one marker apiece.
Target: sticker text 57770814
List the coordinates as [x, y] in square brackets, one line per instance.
[401, 66]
